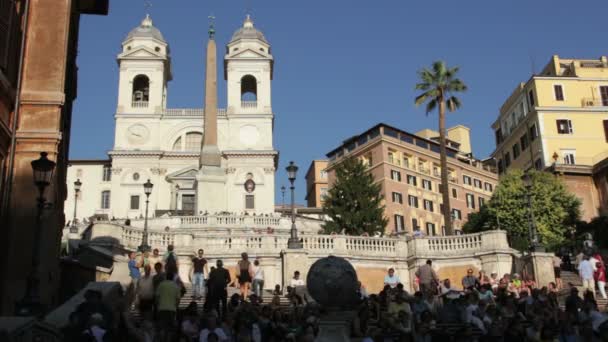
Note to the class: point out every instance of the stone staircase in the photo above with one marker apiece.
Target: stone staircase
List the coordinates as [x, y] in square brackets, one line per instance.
[569, 277]
[187, 298]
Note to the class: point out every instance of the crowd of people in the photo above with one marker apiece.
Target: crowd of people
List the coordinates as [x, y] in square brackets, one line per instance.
[486, 308]
[481, 307]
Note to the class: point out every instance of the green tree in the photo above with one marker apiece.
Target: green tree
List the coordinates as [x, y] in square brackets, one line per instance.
[555, 209]
[438, 84]
[354, 203]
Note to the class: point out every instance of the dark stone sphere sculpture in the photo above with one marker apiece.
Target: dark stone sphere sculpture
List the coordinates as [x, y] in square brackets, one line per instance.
[332, 282]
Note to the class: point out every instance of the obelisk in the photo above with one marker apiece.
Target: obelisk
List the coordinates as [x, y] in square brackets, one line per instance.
[211, 178]
[210, 154]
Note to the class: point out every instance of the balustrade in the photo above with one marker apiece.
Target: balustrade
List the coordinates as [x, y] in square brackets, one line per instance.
[217, 244]
[190, 111]
[249, 104]
[456, 243]
[139, 104]
[371, 246]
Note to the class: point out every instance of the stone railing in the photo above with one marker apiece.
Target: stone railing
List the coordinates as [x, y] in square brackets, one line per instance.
[216, 221]
[190, 112]
[139, 104]
[226, 243]
[249, 104]
[443, 246]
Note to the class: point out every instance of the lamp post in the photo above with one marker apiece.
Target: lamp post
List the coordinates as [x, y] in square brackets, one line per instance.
[533, 234]
[144, 247]
[283, 192]
[30, 305]
[293, 242]
[77, 186]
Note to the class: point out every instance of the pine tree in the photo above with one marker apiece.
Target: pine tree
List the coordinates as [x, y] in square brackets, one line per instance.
[354, 203]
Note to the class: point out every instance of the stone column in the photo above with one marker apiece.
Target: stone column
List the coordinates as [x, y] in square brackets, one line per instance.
[294, 260]
[500, 263]
[541, 265]
[185, 265]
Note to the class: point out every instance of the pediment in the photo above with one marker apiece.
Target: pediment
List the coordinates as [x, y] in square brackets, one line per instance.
[140, 52]
[249, 53]
[189, 172]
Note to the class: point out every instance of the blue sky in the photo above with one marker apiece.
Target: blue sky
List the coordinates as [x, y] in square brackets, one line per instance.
[342, 66]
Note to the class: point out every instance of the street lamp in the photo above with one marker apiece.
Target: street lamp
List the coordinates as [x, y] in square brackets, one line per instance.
[283, 192]
[293, 242]
[77, 186]
[144, 247]
[30, 305]
[533, 234]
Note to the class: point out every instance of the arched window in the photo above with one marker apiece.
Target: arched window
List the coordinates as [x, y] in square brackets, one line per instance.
[141, 91]
[194, 141]
[249, 89]
[177, 145]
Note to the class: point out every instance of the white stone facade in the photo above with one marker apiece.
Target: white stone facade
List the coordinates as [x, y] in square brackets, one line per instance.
[163, 144]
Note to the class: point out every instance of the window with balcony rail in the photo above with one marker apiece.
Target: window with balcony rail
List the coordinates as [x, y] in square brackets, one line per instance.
[141, 91]
[249, 92]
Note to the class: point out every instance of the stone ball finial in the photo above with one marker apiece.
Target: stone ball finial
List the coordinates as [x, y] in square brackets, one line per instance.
[332, 282]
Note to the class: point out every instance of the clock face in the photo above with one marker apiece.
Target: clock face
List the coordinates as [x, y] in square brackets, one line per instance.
[138, 134]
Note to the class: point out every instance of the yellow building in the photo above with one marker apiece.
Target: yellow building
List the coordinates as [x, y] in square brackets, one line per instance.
[558, 121]
[316, 183]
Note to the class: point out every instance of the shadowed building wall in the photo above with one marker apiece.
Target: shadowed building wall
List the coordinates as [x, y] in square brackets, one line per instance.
[39, 119]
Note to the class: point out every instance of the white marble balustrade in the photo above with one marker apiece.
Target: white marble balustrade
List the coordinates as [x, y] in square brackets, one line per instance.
[272, 244]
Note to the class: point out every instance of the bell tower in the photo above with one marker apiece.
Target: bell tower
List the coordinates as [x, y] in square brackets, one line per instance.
[248, 67]
[145, 69]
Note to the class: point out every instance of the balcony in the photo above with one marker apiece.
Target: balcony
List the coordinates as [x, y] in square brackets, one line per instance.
[139, 104]
[249, 104]
[594, 102]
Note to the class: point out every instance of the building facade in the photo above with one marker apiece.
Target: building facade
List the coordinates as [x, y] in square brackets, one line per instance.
[558, 121]
[316, 183]
[38, 72]
[176, 148]
[408, 169]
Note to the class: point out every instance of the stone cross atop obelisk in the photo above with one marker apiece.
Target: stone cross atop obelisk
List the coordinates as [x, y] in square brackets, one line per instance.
[210, 153]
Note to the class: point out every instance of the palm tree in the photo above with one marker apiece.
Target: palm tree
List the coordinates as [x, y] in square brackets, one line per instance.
[437, 85]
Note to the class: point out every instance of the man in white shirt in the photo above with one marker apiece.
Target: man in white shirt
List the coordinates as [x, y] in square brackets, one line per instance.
[258, 278]
[298, 289]
[296, 281]
[585, 271]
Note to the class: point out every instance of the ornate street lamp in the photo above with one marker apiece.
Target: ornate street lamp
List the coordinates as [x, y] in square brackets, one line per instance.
[293, 242]
[144, 241]
[533, 234]
[77, 186]
[30, 305]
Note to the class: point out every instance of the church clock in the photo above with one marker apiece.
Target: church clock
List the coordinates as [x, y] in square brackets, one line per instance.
[138, 134]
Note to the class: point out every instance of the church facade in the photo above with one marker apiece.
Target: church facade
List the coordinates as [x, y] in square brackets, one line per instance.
[200, 160]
